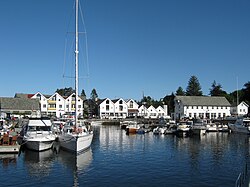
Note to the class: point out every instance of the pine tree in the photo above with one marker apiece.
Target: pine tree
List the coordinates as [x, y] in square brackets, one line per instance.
[193, 88]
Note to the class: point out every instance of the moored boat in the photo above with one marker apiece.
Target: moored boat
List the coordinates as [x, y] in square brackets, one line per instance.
[132, 128]
[241, 125]
[37, 134]
[199, 127]
[76, 137]
[183, 129]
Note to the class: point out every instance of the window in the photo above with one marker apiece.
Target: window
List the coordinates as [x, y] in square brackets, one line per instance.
[131, 104]
[67, 106]
[107, 102]
[120, 102]
[60, 106]
[107, 107]
[79, 106]
[44, 106]
[120, 108]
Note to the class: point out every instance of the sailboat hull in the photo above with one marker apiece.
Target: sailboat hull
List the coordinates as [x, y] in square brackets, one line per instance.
[76, 143]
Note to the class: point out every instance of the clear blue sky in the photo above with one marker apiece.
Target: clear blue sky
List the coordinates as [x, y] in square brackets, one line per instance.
[135, 46]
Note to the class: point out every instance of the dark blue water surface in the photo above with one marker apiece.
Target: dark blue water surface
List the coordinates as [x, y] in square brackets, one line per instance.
[116, 159]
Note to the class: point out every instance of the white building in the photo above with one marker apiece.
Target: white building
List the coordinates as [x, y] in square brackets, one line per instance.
[241, 109]
[143, 111]
[106, 109]
[43, 102]
[201, 107]
[120, 109]
[70, 105]
[132, 108]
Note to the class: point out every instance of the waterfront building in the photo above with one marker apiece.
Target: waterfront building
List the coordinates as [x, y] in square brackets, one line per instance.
[106, 108]
[18, 106]
[70, 105]
[240, 109]
[143, 111]
[132, 108]
[120, 108]
[201, 107]
[43, 102]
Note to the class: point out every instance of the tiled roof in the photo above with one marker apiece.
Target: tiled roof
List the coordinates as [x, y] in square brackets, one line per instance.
[203, 101]
[7, 103]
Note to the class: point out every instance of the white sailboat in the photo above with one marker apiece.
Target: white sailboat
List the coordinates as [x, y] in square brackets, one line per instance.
[76, 135]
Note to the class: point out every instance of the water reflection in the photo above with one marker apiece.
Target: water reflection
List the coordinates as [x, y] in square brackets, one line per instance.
[8, 160]
[78, 164]
[39, 163]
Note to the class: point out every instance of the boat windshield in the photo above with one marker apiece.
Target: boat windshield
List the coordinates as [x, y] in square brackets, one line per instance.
[39, 128]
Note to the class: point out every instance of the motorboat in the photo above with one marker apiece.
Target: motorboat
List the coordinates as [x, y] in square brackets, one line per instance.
[132, 128]
[211, 127]
[223, 128]
[241, 125]
[37, 134]
[183, 129]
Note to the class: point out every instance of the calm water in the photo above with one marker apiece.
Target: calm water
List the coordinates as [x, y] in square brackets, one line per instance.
[116, 159]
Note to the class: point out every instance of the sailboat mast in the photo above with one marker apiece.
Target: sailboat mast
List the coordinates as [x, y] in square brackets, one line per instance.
[76, 63]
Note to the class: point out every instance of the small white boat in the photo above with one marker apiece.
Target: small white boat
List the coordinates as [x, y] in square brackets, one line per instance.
[37, 134]
[183, 129]
[211, 127]
[223, 128]
[199, 127]
[241, 125]
[132, 127]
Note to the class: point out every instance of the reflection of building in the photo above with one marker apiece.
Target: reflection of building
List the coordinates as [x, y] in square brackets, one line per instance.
[241, 109]
[201, 107]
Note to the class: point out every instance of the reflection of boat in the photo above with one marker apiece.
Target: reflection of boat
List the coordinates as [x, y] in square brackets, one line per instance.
[8, 159]
[242, 125]
[78, 163]
[75, 161]
[39, 163]
[37, 134]
[78, 138]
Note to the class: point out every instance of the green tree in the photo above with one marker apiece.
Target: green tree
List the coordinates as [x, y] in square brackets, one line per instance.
[216, 90]
[246, 92]
[194, 87]
[169, 100]
[93, 95]
[180, 91]
[65, 91]
[83, 93]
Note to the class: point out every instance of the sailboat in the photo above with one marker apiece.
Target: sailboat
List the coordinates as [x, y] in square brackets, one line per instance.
[76, 135]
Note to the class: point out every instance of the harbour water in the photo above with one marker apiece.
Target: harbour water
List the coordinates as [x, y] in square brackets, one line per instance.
[117, 159]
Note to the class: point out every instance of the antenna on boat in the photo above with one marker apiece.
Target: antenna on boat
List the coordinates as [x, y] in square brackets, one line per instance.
[76, 63]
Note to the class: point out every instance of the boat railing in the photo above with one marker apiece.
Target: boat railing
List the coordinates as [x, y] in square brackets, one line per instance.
[242, 178]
